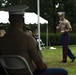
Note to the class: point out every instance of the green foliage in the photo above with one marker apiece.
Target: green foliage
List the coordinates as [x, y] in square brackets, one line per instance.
[73, 38]
[74, 28]
[54, 38]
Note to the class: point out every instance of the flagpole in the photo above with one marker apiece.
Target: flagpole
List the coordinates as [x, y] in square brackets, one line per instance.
[38, 11]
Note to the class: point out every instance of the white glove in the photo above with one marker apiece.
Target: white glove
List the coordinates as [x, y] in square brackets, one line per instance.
[57, 27]
[62, 31]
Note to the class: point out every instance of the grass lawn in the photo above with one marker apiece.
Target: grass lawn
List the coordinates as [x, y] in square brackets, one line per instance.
[53, 57]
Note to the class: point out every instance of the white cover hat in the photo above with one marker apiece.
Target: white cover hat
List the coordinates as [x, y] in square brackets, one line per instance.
[61, 13]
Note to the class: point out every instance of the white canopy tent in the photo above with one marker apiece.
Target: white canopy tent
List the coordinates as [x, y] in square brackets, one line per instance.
[30, 18]
[4, 17]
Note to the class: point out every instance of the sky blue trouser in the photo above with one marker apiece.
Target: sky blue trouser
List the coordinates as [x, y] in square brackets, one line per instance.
[52, 71]
[65, 39]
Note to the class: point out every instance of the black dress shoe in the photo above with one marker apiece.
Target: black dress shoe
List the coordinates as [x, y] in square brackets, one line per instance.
[62, 61]
[73, 60]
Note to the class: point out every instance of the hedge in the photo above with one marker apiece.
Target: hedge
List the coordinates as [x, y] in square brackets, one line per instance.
[54, 39]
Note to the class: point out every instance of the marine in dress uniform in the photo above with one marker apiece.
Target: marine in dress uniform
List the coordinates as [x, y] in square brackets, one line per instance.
[64, 28]
[16, 42]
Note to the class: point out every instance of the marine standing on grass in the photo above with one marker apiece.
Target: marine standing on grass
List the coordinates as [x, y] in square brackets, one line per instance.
[64, 28]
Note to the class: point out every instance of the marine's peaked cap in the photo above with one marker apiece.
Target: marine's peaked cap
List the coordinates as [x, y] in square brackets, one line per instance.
[61, 13]
[17, 9]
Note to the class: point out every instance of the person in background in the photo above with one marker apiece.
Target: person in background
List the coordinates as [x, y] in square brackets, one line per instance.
[2, 31]
[27, 31]
[65, 28]
[35, 33]
[16, 42]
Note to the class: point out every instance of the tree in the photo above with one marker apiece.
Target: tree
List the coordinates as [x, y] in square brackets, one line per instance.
[47, 9]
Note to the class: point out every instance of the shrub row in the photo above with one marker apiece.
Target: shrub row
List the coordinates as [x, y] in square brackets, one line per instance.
[54, 39]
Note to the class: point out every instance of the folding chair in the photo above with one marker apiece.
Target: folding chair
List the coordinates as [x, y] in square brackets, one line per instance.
[14, 62]
[41, 43]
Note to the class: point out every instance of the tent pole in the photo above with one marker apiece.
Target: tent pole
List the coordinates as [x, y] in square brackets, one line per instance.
[47, 36]
[38, 11]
